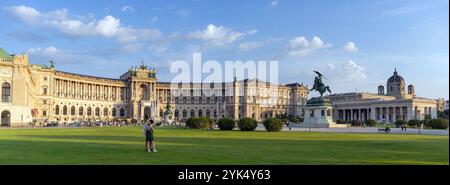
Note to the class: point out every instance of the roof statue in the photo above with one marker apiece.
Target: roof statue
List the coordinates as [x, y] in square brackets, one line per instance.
[142, 66]
[52, 64]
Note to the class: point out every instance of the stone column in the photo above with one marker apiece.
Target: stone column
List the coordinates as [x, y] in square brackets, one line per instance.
[373, 112]
[344, 114]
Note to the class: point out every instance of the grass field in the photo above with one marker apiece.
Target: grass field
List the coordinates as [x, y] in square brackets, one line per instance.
[125, 145]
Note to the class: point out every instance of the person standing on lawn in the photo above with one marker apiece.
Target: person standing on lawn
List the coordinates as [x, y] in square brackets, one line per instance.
[149, 138]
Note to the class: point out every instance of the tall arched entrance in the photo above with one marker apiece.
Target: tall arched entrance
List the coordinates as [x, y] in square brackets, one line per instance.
[147, 113]
[5, 118]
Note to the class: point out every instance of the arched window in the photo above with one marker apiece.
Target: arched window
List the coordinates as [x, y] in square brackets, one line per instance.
[105, 111]
[208, 113]
[65, 110]
[184, 113]
[192, 113]
[80, 111]
[57, 110]
[97, 111]
[122, 112]
[6, 92]
[200, 113]
[113, 111]
[72, 111]
[89, 111]
[5, 118]
[177, 113]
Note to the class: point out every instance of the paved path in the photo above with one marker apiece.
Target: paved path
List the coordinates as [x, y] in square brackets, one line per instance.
[337, 130]
[364, 130]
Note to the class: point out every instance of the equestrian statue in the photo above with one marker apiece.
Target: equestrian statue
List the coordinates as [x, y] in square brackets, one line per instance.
[319, 86]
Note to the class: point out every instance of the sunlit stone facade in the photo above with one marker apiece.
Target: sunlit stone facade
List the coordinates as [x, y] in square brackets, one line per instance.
[395, 104]
[39, 94]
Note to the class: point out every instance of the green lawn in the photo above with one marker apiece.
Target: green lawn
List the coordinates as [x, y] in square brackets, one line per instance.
[125, 145]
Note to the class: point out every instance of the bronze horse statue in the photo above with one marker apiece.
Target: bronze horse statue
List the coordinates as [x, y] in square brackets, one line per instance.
[319, 86]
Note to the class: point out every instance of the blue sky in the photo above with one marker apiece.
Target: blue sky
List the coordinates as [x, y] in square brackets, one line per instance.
[356, 44]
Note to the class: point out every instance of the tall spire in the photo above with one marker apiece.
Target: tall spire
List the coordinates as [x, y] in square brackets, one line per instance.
[395, 71]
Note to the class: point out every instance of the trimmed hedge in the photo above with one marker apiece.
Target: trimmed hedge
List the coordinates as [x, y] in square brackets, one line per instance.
[273, 124]
[400, 123]
[356, 122]
[439, 123]
[247, 124]
[414, 123]
[226, 124]
[371, 123]
[199, 122]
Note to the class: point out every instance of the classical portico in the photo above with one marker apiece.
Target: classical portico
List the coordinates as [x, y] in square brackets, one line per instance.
[390, 107]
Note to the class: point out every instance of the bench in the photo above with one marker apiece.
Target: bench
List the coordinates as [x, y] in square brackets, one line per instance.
[380, 130]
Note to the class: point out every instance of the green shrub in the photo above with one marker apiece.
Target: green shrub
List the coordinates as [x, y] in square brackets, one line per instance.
[414, 123]
[371, 123]
[199, 122]
[226, 124]
[400, 123]
[341, 121]
[273, 124]
[294, 119]
[426, 123]
[247, 124]
[439, 123]
[356, 122]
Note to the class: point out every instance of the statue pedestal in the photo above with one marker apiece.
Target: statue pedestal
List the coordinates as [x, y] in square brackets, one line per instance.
[319, 114]
[168, 119]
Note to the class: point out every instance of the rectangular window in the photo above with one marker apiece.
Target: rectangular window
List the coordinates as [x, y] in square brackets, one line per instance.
[44, 113]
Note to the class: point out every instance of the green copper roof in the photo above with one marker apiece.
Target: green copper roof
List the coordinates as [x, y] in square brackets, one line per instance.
[4, 54]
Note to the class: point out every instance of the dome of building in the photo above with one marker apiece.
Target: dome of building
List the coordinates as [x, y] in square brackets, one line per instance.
[396, 77]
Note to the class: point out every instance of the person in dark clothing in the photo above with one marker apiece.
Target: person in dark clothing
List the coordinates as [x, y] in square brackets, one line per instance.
[149, 138]
[388, 130]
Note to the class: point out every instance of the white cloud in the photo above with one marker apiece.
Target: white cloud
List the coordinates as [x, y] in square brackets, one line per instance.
[249, 46]
[300, 46]
[127, 8]
[49, 51]
[130, 34]
[331, 66]
[349, 72]
[251, 32]
[24, 13]
[350, 47]
[218, 35]
[273, 3]
[108, 26]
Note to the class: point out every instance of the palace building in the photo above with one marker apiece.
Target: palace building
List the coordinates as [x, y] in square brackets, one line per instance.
[394, 104]
[39, 94]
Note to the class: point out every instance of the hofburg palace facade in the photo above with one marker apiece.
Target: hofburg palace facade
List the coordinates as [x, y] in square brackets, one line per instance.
[37, 94]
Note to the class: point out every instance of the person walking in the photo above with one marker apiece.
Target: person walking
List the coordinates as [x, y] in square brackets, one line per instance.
[420, 128]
